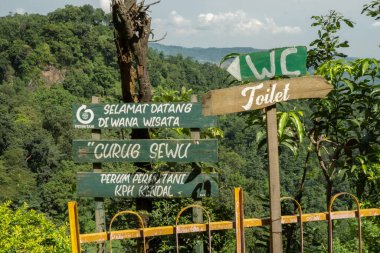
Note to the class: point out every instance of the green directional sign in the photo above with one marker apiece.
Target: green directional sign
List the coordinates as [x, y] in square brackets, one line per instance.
[265, 65]
[147, 150]
[147, 185]
[140, 115]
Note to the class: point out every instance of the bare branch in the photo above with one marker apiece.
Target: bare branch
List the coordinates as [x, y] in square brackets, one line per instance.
[162, 38]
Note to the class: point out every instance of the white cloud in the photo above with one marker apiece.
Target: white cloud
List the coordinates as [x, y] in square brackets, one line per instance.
[217, 27]
[20, 11]
[274, 28]
[178, 20]
[376, 24]
[105, 5]
[175, 24]
[239, 22]
[229, 21]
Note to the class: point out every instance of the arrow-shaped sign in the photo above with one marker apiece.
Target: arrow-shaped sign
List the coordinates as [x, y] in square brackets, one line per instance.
[264, 65]
[254, 96]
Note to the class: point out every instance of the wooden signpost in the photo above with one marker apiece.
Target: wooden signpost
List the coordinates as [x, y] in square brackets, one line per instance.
[140, 115]
[149, 150]
[147, 185]
[144, 185]
[257, 67]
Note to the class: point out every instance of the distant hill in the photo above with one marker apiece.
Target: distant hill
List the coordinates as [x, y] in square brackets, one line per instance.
[211, 54]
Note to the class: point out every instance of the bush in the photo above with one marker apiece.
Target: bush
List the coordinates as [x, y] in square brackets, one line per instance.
[26, 230]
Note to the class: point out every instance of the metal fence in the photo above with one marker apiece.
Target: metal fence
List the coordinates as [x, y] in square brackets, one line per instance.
[239, 224]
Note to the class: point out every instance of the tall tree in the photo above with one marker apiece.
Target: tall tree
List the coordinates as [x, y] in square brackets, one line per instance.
[132, 30]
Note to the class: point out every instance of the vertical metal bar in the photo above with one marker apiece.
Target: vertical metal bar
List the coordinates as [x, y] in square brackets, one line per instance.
[99, 202]
[74, 227]
[177, 232]
[299, 208]
[359, 228]
[331, 224]
[239, 220]
[141, 221]
[301, 229]
[197, 212]
[274, 180]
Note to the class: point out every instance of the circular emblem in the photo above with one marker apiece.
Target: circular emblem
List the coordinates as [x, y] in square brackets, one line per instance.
[84, 115]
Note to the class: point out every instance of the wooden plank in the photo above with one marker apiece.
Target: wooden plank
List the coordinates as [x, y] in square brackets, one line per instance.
[220, 225]
[254, 96]
[267, 64]
[140, 115]
[147, 185]
[149, 150]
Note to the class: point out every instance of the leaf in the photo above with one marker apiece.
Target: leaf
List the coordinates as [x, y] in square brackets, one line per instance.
[228, 56]
[282, 123]
[365, 67]
[355, 122]
[298, 124]
[262, 143]
[375, 93]
[343, 44]
[260, 136]
[348, 23]
[293, 148]
[349, 84]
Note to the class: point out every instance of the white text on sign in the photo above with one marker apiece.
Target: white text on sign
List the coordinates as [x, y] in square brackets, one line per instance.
[272, 95]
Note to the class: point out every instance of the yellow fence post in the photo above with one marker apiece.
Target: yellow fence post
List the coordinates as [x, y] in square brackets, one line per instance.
[74, 227]
[239, 220]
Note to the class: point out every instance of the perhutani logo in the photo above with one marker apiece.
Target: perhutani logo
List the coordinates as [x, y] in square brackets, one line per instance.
[84, 116]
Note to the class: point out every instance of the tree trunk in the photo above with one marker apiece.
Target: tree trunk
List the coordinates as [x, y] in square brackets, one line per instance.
[132, 30]
[361, 184]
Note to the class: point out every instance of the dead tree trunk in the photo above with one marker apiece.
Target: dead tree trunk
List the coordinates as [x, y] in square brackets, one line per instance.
[132, 30]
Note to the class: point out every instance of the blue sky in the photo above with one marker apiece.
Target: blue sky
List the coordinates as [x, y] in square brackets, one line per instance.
[225, 23]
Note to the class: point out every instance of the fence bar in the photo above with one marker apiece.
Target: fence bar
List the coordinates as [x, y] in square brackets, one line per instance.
[239, 220]
[74, 227]
[299, 208]
[179, 231]
[225, 225]
[111, 233]
[331, 216]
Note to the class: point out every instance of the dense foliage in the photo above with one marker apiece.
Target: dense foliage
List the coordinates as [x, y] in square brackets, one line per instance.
[48, 62]
[26, 230]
